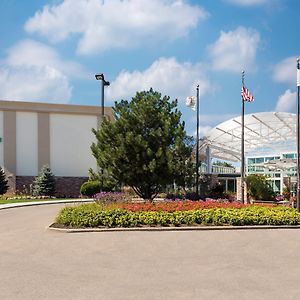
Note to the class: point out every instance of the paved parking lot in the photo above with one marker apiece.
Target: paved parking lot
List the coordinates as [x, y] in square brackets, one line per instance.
[36, 263]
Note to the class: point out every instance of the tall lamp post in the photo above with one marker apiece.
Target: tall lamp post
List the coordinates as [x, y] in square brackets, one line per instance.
[103, 84]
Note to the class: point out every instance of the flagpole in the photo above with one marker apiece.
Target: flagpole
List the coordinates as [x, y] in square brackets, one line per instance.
[298, 143]
[197, 145]
[242, 146]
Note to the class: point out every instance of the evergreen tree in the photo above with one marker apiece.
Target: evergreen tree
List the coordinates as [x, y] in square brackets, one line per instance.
[259, 187]
[3, 182]
[44, 184]
[146, 147]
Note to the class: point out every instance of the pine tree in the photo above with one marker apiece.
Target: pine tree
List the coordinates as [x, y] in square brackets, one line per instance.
[146, 147]
[3, 182]
[44, 184]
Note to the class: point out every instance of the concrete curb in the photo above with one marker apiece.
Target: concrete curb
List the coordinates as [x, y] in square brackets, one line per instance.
[186, 228]
[35, 203]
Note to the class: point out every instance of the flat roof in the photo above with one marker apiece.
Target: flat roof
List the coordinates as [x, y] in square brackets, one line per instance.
[53, 108]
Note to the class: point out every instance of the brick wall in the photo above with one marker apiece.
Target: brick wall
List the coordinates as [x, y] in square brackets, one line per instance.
[65, 186]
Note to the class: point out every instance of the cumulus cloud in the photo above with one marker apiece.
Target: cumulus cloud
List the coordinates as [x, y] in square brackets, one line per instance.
[33, 71]
[33, 83]
[248, 2]
[285, 71]
[29, 53]
[167, 75]
[203, 131]
[107, 24]
[235, 50]
[286, 102]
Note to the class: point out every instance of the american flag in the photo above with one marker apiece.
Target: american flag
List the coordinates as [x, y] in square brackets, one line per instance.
[246, 95]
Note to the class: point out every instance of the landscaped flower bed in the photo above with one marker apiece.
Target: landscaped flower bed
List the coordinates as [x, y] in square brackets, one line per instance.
[95, 215]
[172, 206]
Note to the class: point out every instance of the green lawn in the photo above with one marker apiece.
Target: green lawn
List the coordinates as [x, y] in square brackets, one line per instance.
[20, 200]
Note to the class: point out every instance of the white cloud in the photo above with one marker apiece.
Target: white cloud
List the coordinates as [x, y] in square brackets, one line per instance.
[107, 24]
[248, 2]
[285, 71]
[34, 72]
[167, 75]
[34, 84]
[203, 131]
[287, 102]
[28, 53]
[235, 50]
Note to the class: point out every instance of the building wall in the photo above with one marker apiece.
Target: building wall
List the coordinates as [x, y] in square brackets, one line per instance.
[70, 141]
[27, 144]
[274, 176]
[35, 134]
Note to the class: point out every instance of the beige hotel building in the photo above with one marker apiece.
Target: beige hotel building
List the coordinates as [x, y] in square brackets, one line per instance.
[35, 134]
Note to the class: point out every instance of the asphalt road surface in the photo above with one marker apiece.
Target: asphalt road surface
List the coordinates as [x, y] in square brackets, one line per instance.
[36, 263]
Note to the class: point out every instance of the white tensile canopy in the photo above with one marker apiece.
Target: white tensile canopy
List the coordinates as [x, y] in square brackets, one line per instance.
[265, 132]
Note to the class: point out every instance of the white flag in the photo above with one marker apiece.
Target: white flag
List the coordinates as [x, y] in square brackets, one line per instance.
[298, 76]
[191, 102]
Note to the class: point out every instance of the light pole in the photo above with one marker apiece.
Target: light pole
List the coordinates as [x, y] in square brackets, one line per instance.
[103, 84]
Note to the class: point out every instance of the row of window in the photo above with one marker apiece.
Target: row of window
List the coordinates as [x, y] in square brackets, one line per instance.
[260, 160]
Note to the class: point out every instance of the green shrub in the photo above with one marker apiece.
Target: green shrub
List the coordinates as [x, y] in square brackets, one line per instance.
[94, 215]
[44, 184]
[111, 197]
[3, 182]
[259, 187]
[90, 188]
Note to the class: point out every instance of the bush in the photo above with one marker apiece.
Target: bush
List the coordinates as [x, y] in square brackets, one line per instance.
[90, 188]
[109, 184]
[192, 196]
[217, 191]
[109, 197]
[44, 184]
[3, 182]
[174, 196]
[94, 215]
[259, 188]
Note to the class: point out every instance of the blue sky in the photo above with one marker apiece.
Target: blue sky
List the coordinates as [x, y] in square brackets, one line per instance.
[51, 50]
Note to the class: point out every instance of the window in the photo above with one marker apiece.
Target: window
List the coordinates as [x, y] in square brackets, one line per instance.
[259, 169]
[289, 155]
[231, 185]
[251, 169]
[269, 158]
[259, 160]
[251, 161]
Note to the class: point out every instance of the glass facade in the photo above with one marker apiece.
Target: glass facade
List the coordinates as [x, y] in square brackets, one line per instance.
[255, 165]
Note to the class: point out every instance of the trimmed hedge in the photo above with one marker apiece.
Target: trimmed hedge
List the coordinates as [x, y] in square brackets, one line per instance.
[94, 215]
[90, 188]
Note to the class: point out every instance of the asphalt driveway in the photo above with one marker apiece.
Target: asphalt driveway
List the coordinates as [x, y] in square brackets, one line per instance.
[36, 263]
